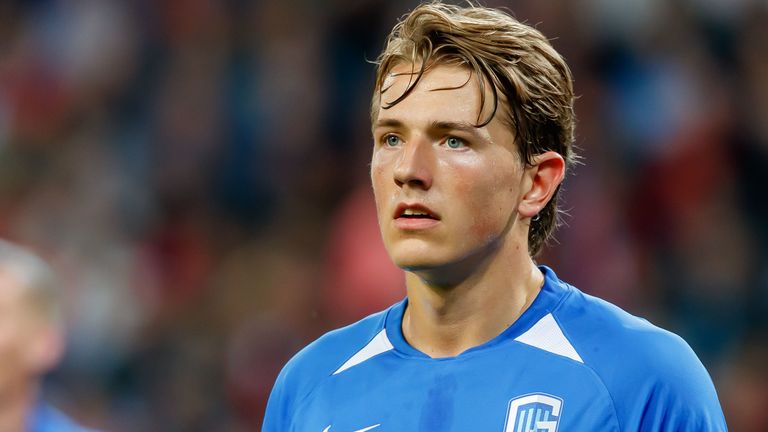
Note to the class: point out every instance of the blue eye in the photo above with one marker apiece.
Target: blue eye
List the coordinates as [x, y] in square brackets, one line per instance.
[454, 142]
[392, 140]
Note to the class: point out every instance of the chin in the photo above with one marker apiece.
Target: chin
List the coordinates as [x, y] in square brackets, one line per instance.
[411, 263]
[417, 266]
[417, 257]
[427, 258]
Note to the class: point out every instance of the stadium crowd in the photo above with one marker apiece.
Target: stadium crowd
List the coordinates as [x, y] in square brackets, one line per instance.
[197, 172]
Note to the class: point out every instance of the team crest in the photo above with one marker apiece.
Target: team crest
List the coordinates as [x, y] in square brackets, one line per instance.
[536, 412]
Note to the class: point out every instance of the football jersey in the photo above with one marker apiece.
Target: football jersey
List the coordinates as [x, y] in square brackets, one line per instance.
[570, 362]
[45, 418]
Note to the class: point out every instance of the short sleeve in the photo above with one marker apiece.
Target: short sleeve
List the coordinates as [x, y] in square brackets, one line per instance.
[682, 397]
[278, 414]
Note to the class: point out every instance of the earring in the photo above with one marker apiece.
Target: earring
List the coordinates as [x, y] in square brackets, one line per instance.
[536, 218]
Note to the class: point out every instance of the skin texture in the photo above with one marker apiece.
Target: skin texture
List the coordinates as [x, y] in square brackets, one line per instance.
[468, 272]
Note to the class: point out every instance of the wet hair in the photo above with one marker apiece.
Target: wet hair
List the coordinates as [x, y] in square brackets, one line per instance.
[530, 83]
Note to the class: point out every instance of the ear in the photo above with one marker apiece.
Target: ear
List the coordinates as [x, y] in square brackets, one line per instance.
[540, 182]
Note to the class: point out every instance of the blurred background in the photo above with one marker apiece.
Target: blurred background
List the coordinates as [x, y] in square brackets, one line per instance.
[197, 171]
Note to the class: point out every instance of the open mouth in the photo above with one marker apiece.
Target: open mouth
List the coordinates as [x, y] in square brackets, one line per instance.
[415, 212]
[414, 218]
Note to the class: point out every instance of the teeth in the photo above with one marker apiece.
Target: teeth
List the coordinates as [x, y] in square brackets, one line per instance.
[411, 212]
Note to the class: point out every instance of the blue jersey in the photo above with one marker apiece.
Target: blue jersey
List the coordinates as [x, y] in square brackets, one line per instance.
[45, 418]
[571, 362]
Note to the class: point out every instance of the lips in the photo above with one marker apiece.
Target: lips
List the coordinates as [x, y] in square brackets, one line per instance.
[414, 211]
[413, 217]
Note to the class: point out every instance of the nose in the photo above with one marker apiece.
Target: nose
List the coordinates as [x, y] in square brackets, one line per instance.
[414, 165]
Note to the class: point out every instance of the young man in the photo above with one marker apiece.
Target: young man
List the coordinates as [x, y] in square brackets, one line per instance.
[31, 342]
[473, 123]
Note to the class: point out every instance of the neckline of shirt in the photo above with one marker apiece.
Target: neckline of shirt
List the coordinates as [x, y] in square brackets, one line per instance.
[546, 300]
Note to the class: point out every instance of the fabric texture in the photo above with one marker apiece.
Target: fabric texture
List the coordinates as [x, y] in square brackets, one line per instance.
[571, 362]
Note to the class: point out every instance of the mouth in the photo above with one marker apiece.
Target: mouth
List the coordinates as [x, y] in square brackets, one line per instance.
[415, 212]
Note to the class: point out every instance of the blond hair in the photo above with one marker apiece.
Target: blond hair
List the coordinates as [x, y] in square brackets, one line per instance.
[523, 70]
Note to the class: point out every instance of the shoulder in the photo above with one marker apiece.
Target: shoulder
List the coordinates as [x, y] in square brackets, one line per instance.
[328, 353]
[652, 374]
[46, 418]
[315, 363]
[602, 331]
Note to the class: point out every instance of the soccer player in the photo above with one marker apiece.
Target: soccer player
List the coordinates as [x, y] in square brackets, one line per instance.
[472, 119]
[31, 342]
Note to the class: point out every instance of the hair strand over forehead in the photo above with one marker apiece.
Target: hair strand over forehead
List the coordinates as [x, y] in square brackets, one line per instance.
[515, 60]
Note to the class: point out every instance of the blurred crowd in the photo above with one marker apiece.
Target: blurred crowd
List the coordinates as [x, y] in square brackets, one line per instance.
[197, 173]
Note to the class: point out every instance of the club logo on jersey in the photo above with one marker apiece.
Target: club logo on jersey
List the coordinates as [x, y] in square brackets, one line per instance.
[536, 412]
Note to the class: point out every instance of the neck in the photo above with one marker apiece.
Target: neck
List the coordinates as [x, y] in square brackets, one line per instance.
[443, 320]
[16, 407]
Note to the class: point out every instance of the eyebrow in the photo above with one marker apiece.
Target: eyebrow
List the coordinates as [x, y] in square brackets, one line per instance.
[434, 125]
[457, 126]
[394, 123]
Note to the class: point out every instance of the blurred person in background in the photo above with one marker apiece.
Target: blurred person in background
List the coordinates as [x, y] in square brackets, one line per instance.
[473, 123]
[31, 342]
[212, 230]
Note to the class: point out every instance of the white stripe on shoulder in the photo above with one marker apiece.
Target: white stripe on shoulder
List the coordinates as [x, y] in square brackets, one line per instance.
[547, 335]
[379, 344]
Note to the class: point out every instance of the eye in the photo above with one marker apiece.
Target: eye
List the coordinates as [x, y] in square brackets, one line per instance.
[392, 140]
[455, 143]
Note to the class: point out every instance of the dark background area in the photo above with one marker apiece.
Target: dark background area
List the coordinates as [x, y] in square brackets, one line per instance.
[197, 171]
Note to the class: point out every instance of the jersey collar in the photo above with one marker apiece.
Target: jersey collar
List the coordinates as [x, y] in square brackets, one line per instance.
[545, 302]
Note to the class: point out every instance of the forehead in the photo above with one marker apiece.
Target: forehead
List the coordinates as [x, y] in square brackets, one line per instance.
[449, 91]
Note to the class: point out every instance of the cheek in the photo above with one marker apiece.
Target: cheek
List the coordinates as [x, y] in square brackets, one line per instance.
[490, 202]
[380, 164]
[484, 229]
[488, 223]
[378, 181]
[377, 172]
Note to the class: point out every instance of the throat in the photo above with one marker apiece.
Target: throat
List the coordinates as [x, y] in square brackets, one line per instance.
[444, 322]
